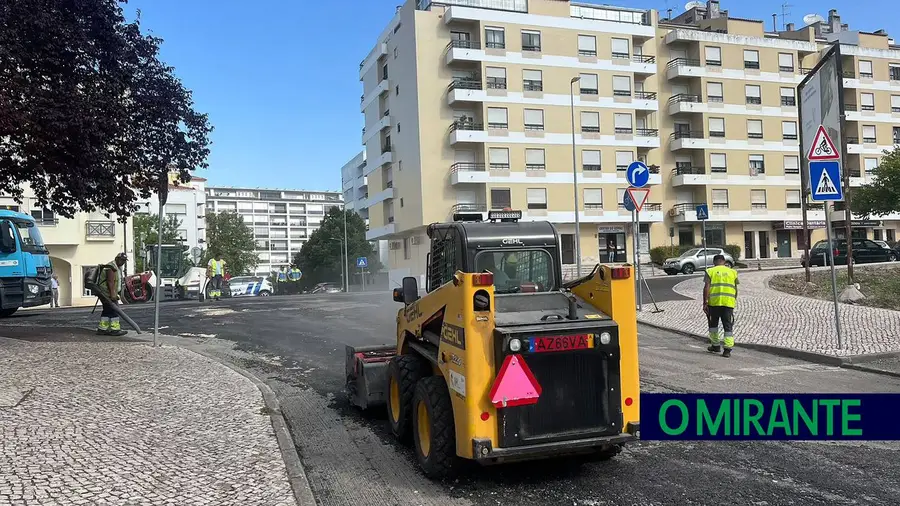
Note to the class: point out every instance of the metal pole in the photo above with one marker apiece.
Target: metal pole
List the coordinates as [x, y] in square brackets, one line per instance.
[837, 314]
[637, 258]
[634, 249]
[703, 232]
[345, 270]
[158, 274]
[575, 180]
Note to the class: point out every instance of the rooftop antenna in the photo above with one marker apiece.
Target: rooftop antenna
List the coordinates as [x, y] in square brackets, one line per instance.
[785, 12]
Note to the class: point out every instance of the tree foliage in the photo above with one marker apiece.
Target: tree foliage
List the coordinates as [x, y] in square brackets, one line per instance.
[320, 257]
[145, 234]
[230, 239]
[90, 118]
[882, 196]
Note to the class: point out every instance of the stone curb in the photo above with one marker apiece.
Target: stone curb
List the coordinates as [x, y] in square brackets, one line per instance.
[850, 362]
[296, 474]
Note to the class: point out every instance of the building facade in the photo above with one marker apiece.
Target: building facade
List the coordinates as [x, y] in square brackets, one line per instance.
[356, 197]
[281, 220]
[476, 105]
[76, 244]
[186, 202]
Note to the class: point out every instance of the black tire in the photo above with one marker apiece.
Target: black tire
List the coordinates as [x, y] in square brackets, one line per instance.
[405, 371]
[440, 460]
[4, 313]
[892, 257]
[729, 265]
[688, 268]
[265, 293]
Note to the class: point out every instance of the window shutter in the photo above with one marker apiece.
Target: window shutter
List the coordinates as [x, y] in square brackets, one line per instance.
[499, 155]
[754, 126]
[752, 90]
[536, 195]
[895, 102]
[588, 81]
[788, 128]
[587, 43]
[791, 162]
[498, 72]
[785, 60]
[867, 99]
[713, 53]
[624, 158]
[531, 75]
[593, 196]
[534, 117]
[496, 115]
[620, 46]
[534, 156]
[716, 124]
[757, 196]
[621, 83]
[865, 67]
[590, 119]
[623, 120]
[751, 56]
[720, 196]
[869, 131]
[590, 157]
[870, 164]
[792, 196]
[787, 92]
[717, 160]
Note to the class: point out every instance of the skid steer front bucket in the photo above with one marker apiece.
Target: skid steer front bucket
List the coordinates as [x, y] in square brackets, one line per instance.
[366, 368]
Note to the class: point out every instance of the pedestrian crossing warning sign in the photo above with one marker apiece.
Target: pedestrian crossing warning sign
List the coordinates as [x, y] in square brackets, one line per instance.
[826, 181]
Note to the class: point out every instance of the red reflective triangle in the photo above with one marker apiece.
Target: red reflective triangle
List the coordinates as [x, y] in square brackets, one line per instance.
[822, 148]
[638, 196]
[515, 384]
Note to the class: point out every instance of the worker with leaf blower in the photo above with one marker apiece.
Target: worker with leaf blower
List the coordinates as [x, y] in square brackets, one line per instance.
[109, 282]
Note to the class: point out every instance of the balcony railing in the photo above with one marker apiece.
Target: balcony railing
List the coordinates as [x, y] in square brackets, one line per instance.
[782, 68]
[496, 83]
[466, 167]
[639, 58]
[718, 133]
[854, 172]
[754, 65]
[759, 205]
[495, 45]
[817, 206]
[684, 97]
[390, 219]
[788, 102]
[468, 208]
[789, 137]
[805, 70]
[852, 140]
[621, 56]
[713, 63]
[753, 135]
[499, 166]
[588, 52]
[646, 132]
[722, 206]
[715, 99]
[686, 134]
[621, 93]
[849, 74]
[850, 107]
[685, 171]
[624, 131]
[588, 91]
[589, 167]
[466, 125]
[681, 209]
[866, 75]
[683, 62]
[754, 100]
[101, 229]
[867, 107]
[463, 44]
[535, 166]
[645, 95]
[652, 206]
[464, 84]
[529, 85]
[718, 170]
[389, 184]
[590, 129]
[593, 206]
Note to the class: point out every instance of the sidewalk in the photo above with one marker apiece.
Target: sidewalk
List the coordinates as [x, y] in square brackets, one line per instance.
[126, 424]
[768, 317]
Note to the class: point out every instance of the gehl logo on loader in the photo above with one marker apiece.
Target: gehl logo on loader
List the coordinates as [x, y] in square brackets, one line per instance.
[412, 312]
[454, 336]
[512, 242]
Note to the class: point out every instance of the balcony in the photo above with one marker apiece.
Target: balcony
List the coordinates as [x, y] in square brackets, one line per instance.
[687, 213]
[687, 139]
[100, 230]
[377, 52]
[366, 100]
[645, 95]
[463, 50]
[382, 124]
[386, 158]
[468, 208]
[386, 194]
[375, 233]
[471, 83]
[685, 103]
[61, 232]
[683, 67]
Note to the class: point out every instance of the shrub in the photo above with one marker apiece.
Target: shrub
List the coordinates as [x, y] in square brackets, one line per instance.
[734, 250]
[659, 254]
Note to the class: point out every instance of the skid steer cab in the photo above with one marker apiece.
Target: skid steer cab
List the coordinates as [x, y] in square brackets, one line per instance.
[500, 360]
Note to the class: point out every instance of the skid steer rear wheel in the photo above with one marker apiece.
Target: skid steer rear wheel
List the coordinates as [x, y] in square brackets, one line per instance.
[435, 432]
[404, 371]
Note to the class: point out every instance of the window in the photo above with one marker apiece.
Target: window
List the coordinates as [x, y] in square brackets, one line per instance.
[791, 164]
[720, 198]
[536, 198]
[620, 48]
[621, 86]
[498, 158]
[788, 97]
[754, 129]
[717, 162]
[588, 84]
[531, 41]
[494, 38]
[751, 59]
[789, 130]
[395, 53]
[895, 103]
[406, 248]
[757, 165]
[792, 199]
[85, 272]
[590, 122]
[497, 118]
[620, 197]
[714, 92]
[532, 80]
[593, 198]
[866, 102]
[397, 90]
[44, 216]
[870, 164]
[568, 248]
[534, 119]
[623, 124]
[785, 62]
[868, 134]
[751, 91]
[758, 199]
[513, 269]
[865, 69]
[717, 127]
[534, 159]
[590, 160]
[384, 72]
[587, 45]
[623, 160]
[713, 56]
[896, 135]
[895, 72]
[500, 198]
[496, 78]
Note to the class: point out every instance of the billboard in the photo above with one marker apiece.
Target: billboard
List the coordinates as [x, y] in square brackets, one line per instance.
[821, 102]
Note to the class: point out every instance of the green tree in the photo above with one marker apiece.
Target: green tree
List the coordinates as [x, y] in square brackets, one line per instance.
[882, 195]
[145, 234]
[90, 118]
[320, 257]
[229, 238]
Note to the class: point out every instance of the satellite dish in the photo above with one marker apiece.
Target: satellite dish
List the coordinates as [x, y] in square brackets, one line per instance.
[810, 19]
[692, 5]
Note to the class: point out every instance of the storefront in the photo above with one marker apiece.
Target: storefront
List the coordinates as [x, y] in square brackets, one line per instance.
[612, 244]
[790, 238]
[859, 229]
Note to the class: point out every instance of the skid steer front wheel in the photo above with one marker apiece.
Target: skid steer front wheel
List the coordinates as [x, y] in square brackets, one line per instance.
[435, 432]
[404, 371]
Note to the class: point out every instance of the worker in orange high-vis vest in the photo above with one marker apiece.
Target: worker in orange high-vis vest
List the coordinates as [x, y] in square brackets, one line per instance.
[719, 301]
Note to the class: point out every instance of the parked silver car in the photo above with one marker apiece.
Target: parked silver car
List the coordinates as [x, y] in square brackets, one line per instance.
[695, 259]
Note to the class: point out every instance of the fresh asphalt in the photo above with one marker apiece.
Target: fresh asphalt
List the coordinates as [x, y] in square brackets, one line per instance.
[296, 346]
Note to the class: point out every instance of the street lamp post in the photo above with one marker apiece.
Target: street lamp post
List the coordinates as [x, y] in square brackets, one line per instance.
[575, 179]
[346, 267]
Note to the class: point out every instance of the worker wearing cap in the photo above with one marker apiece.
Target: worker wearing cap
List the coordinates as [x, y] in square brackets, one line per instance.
[215, 271]
[110, 284]
[719, 301]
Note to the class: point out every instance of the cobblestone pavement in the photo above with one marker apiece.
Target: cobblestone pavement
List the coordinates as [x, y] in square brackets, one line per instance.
[127, 424]
[767, 316]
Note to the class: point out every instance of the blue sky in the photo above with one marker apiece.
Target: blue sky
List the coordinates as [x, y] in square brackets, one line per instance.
[279, 78]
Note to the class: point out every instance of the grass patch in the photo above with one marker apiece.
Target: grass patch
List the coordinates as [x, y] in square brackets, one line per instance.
[880, 285]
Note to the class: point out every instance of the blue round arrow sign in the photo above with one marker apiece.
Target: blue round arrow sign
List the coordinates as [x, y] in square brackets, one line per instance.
[638, 174]
[628, 202]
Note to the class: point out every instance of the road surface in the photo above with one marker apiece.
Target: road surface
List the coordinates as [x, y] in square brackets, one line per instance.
[296, 345]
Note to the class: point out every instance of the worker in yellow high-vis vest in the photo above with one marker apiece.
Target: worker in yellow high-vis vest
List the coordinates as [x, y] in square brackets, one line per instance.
[215, 271]
[719, 300]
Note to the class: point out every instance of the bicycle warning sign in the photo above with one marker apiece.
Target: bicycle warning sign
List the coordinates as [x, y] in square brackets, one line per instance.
[822, 148]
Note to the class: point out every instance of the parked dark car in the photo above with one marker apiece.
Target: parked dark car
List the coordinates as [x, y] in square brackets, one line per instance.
[865, 251]
[327, 288]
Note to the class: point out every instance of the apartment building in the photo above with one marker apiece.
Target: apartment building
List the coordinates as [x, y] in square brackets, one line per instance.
[282, 220]
[186, 202]
[355, 185]
[76, 244]
[473, 105]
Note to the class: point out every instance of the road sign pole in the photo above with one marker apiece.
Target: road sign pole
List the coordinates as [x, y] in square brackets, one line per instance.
[703, 234]
[637, 286]
[837, 313]
[637, 258]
